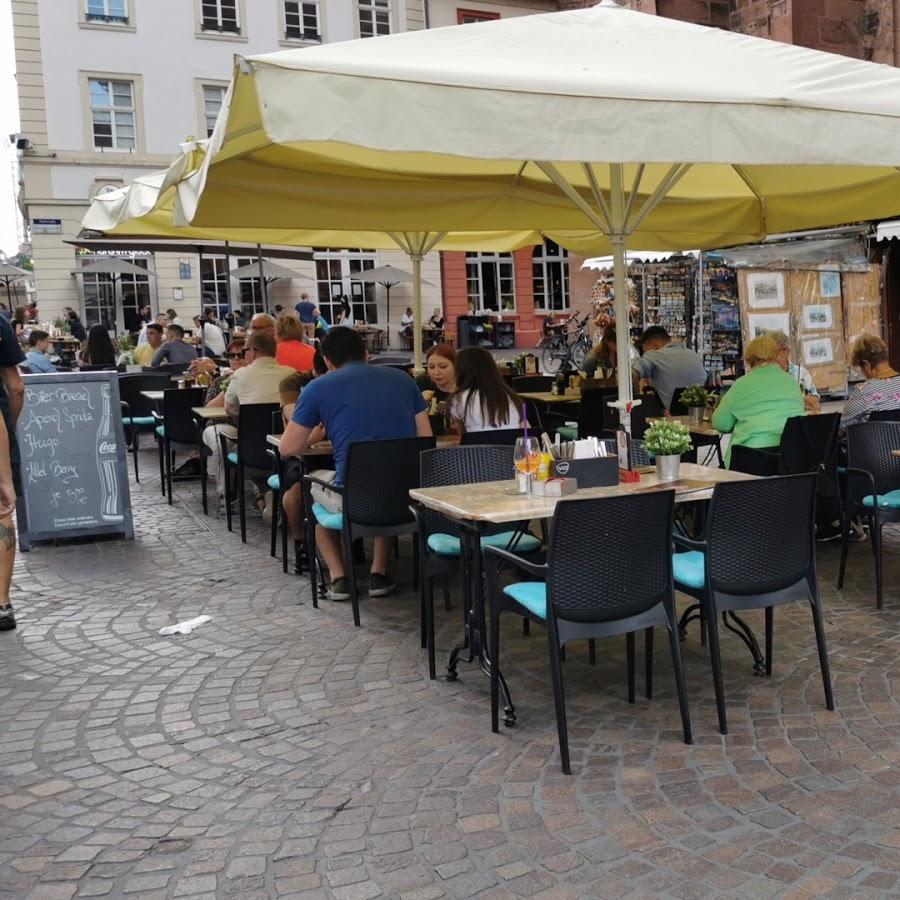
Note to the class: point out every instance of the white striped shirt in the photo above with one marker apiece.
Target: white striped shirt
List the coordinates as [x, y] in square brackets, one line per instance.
[870, 396]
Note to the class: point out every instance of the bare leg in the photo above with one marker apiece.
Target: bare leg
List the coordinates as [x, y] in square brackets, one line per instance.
[293, 511]
[7, 557]
[328, 543]
[381, 553]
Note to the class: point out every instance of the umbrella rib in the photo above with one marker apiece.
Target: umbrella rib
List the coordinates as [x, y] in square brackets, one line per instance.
[763, 227]
[672, 177]
[556, 177]
[635, 185]
[598, 194]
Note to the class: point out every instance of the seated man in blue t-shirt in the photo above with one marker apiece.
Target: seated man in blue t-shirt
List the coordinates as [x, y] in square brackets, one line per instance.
[353, 402]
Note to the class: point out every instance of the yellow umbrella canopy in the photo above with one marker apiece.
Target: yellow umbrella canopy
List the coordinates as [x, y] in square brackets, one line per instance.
[641, 128]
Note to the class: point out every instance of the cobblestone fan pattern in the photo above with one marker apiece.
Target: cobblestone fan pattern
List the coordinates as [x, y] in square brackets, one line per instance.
[279, 752]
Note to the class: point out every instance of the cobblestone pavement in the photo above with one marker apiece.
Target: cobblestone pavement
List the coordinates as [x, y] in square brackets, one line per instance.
[278, 751]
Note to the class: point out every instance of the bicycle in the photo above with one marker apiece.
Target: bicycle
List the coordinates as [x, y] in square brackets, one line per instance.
[564, 348]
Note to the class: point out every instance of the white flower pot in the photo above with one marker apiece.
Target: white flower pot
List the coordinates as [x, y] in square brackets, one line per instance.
[667, 467]
[696, 414]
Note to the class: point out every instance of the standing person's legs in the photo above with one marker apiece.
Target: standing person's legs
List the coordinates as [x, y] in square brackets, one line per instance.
[7, 561]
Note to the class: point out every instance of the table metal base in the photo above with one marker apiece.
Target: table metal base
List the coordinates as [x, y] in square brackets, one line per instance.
[474, 625]
[695, 613]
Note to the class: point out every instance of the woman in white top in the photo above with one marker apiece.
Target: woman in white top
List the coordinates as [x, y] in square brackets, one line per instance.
[483, 401]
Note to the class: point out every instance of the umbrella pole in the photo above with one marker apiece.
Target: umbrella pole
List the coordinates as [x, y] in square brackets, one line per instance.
[417, 310]
[618, 216]
[264, 288]
[387, 288]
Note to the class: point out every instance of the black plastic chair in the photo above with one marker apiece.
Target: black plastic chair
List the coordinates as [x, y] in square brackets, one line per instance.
[750, 560]
[440, 540]
[177, 430]
[137, 411]
[593, 412]
[873, 489]
[676, 407]
[379, 477]
[169, 368]
[579, 595]
[250, 453]
[535, 383]
[501, 437]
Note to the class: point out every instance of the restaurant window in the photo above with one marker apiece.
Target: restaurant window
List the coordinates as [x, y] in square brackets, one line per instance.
[468, 16]
[112, 114]
[213, 97]
[374, 17]
[113, 12]
[214, 283]
[115, 304]
[301, 21]
[220, 15]
[550, 268]
[252, 297]
[490, 283]
[334, 277]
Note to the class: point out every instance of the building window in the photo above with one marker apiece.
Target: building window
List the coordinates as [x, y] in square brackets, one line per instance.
[112, 114]
[334, 276]
[550, 268]
[374, 17]
[110, 11]
[467, 16]
[115, 305]
[252, 297]
[220, 15]
[301, 20]
[490, 283]
[214, 283]
[213, 96]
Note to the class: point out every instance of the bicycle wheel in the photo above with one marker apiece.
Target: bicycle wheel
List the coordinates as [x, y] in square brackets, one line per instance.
[550, 358]
[580, 350]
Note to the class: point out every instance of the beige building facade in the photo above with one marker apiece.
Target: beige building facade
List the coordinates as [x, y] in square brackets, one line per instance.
[108, 89]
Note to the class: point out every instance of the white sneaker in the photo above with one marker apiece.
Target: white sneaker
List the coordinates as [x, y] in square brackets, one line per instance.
[268, 507]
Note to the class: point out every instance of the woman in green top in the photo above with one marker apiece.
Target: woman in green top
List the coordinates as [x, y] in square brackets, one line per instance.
[758, 405]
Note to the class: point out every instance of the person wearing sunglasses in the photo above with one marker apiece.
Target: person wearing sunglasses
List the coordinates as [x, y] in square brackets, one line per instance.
[215, 393]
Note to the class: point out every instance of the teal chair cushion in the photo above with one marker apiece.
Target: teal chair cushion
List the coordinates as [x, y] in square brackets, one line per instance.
[328, 519]
[161, 430]
[567, 432]
[689, 569]
[274, 482]
[891, 500]
[530, 594]
[138, 421]
[232, 457]
[448, 545]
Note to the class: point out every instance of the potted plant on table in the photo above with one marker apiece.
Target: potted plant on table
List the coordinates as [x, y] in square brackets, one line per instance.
[696, 399]
[667, 439]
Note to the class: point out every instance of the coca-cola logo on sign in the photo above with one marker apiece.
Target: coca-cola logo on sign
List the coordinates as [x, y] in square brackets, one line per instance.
[107, 447]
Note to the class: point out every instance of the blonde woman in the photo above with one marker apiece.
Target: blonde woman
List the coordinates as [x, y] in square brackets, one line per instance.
[759, 403]
[290, 350]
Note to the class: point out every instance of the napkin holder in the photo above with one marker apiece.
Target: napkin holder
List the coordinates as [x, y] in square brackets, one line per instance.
[597, 472]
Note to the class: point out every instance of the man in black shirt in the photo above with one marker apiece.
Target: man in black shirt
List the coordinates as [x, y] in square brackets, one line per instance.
[12, 397]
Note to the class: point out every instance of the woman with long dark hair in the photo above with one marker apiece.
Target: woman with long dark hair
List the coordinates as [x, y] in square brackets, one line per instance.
[483, 401]
[98, 349]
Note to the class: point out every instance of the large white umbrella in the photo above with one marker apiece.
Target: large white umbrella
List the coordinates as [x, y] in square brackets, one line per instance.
[389, 276]
[643, 128]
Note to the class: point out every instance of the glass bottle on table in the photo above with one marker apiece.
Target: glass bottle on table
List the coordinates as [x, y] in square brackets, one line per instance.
[526, 459]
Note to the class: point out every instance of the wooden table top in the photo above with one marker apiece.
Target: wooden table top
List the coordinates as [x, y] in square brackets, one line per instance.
[209, 413]
[153, 395]
[493, 502]
[546, 397]
[704, 428]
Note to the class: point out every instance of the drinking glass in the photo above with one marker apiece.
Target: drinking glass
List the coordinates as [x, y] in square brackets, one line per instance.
[527, 460]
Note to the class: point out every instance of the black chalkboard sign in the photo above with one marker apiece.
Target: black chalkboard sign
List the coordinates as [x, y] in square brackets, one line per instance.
[73, 468]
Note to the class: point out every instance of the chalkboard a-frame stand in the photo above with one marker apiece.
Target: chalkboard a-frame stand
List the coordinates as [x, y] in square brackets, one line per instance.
[73, 465]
